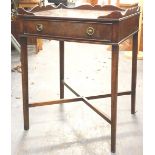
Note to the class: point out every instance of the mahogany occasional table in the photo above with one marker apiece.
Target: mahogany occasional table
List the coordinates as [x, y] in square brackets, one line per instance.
[106, 24]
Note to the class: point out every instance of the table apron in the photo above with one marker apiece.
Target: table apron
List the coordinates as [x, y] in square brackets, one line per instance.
[70, 30]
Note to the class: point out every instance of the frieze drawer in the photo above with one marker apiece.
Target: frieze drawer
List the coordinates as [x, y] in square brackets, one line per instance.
[71, 29]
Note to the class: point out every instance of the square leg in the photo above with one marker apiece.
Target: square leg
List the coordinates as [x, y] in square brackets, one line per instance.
[134, 72]
[61, 45]
[114, 85]
[24, 66]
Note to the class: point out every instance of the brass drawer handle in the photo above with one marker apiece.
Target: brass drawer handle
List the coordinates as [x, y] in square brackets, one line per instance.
[90, 31]
[39, 27]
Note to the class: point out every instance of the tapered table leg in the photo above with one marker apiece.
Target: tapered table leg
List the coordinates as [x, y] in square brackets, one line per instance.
[61, 45]
[24, 66]
[114, 84]
[134, 71]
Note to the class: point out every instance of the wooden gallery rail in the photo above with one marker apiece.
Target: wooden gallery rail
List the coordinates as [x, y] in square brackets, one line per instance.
[97, 24]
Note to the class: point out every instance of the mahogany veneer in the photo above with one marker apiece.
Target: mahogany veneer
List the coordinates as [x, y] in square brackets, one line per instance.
[99, 24]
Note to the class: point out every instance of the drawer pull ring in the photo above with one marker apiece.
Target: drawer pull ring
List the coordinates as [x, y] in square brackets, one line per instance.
[39, 27]
[90, 31]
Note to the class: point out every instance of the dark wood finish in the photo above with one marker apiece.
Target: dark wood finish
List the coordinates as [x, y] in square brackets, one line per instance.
[128, 24]
[134, 71]
[61, 101]
[24, 66]
[104, 12]
[82, 7]
[99, 24]
[102, 31]
[36, 104]
[61, 44]
[14, 29]
[114, 83]
[108, 95]
[109, 23]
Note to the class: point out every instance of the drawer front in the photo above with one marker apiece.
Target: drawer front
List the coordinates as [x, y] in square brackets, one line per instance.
[70, 29]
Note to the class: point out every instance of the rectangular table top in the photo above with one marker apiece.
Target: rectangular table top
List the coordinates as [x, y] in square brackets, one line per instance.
[96, 12]
[72, 13]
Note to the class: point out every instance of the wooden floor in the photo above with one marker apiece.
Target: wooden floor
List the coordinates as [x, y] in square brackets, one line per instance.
[74, 129]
